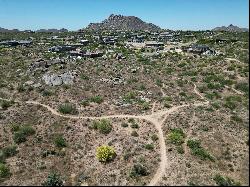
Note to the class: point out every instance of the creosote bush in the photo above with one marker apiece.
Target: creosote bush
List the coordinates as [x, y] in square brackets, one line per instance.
[67, 108]
[21, 133]
[176, 136]
[59, 141]
[4, 171]
[104, 126]
[105, 153]
[53, 180]
[138, 170]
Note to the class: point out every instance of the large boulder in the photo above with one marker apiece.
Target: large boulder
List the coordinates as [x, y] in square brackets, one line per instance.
[57, 80]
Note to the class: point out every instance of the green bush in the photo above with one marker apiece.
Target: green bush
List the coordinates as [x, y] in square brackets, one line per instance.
[53, 180]
[4, 171]
[149, 146]
[5, 104]
[96, 99]
[9, 151]
[14, 127]
[104, 126]
[243, 86]
[67, 108]
[176, 136]
[19, 137]
[199, 151]
[27, 130]
[225, 181]
[21, 133]
[105, 153]
[59, 141]
[138, 170]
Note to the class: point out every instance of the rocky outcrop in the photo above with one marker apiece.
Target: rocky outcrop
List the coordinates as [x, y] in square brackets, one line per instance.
[57, 80]
[119, 22]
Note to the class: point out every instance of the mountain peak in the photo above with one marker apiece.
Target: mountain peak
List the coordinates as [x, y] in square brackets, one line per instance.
[120, 22]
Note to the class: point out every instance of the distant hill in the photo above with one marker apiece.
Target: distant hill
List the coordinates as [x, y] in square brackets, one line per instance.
[120, 22]
[7, 30]
[231, 28]
[52, 30]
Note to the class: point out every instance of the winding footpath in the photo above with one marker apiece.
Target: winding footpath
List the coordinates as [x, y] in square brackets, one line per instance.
[156, 118]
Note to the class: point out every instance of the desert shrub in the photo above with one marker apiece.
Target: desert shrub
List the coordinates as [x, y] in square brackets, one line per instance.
[104, 126]
[22, 132]
[237, 119]
[134, 133]
[197, 150]
[96, 99]
[154, 137]
[180, 149]
[53, 180]
[9, 151]
[129, 96]
[85, 103]
[149, 146]
[59, 141]
[131, 120]
[158, 82]
[5, 104]
[124, 125]
[176, 136]
[14, 127]
[19, 137]
[134, 125]
[138, 170]
[4, 171]
[67, 108]
[232, 101]
[225, 181]
[27, 130]
[105, 153]
[47, 93]
[145, 106]
[20, 88]
[242, 86]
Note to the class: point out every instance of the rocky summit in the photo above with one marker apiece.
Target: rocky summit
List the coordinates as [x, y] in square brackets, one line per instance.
[120, 22]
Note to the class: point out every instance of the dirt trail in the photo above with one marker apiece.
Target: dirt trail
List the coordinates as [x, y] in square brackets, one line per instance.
[156, 118]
